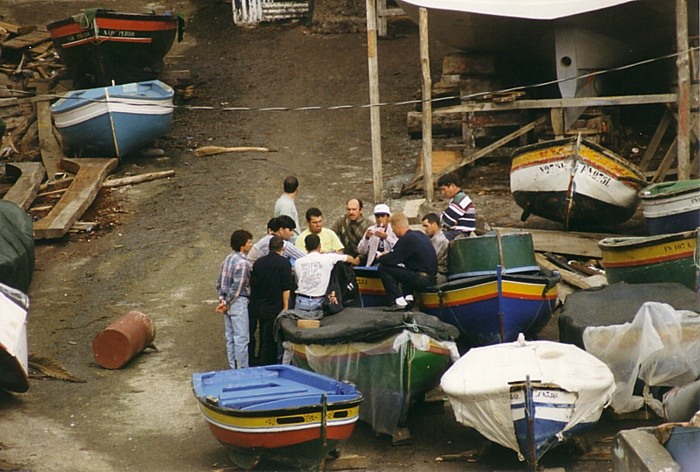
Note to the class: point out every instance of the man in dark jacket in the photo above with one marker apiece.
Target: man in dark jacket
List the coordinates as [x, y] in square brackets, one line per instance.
[271, 282]
[412, 263]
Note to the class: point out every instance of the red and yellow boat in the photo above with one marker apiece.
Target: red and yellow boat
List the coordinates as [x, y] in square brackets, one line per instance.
[101, 46]
[279, 412]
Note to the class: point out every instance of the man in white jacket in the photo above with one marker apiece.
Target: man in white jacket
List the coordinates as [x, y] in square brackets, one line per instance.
[379, 238]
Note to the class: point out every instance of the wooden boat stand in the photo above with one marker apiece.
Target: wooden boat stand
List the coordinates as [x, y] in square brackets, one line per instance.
[687, 129]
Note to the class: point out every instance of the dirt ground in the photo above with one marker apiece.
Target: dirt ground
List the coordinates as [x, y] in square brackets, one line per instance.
[161, 243]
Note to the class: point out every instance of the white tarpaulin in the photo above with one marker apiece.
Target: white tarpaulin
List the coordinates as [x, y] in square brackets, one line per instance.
[478, 384]
[661, 346]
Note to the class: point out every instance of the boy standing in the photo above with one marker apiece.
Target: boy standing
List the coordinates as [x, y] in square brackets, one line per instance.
[233, 287]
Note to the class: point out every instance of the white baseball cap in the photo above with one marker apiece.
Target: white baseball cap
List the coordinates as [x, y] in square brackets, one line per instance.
[382, 209]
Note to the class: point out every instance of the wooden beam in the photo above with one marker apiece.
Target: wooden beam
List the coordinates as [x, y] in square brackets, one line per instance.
[656, 139]
[481, 152]
[137, 179]
[563, 242]
[666, 163]
[29, 176]
[561, 103]
[375, 123]
[89, 175]
[51, 153]
[427, 107]
[683, 66]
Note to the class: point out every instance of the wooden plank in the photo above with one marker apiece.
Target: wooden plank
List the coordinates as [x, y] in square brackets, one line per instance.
[567, 276]
[51, 153]
[561, 103]
[481, 152]
[656, 139]
[17, 29]
[29, 176]
[89, 175]
[666, 163]
[563, 242]
[347, 462]
[26, 40]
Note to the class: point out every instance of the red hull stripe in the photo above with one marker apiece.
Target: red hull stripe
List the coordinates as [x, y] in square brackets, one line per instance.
[116, 39]
[136, 25]
[514, 296]
[65, 30]
[281, 439]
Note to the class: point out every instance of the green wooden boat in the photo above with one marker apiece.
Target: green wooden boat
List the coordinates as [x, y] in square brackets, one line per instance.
[470, 257]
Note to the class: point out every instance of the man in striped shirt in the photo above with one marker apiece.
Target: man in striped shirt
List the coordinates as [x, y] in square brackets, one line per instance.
[459, 218]
[233, 287]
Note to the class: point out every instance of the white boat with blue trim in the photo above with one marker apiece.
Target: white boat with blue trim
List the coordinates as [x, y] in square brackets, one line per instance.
[113, 121]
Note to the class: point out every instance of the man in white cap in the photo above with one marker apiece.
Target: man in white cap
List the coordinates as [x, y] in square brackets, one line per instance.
[379, 238]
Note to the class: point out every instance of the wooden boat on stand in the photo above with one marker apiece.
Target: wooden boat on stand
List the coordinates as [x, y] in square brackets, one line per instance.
[575, 182]
[531, 395]
[279, 412]
[495, 290]
[103, 46]
[394, 359]
[671, 207]
[649, 259]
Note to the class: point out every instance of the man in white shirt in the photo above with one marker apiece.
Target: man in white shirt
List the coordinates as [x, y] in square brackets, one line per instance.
[313, 272]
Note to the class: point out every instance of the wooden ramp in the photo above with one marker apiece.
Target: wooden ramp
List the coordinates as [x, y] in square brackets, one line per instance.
[29, 176]
[89, 175]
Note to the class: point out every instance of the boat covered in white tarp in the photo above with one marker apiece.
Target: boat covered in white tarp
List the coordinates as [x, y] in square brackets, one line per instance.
[661, 346]
[568, 389]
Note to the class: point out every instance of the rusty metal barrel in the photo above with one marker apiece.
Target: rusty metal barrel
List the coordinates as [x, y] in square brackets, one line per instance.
[119, 342]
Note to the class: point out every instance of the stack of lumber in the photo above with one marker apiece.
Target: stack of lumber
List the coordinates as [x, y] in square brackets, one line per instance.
[28, 66]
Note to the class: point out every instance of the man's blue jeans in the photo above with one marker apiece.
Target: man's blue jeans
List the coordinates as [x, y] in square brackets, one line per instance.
[237, 334]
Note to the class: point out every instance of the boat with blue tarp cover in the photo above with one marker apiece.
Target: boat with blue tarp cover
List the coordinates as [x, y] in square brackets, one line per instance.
[278, 412]
[113, 121]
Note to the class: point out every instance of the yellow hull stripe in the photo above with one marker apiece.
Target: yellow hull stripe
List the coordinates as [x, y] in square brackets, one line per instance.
[264, 422]
[684, 248]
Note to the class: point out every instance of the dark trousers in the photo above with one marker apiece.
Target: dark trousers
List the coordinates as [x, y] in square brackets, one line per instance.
[268, 345]
[252, 327]
[411, 281]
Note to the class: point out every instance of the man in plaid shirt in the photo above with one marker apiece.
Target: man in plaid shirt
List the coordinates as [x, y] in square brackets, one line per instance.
[233, 287]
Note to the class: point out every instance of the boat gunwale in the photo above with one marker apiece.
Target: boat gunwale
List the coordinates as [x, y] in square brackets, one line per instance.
[638, 242]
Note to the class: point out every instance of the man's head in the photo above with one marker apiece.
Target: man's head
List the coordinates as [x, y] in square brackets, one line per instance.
[286, 227]
[353, 209]
[276, 244]
[273, 225]
[382, 214]
[291, 184]
[399, 223]
[241, 241]
[314, 218]
[431, 224]
[448, 185]
[312, 242]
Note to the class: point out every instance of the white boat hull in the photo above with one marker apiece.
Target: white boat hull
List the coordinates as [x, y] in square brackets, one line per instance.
[14, 362]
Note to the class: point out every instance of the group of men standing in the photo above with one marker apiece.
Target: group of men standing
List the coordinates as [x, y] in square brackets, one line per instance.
[256, 281]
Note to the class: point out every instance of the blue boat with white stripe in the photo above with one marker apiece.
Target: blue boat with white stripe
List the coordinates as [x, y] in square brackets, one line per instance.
[113, 121]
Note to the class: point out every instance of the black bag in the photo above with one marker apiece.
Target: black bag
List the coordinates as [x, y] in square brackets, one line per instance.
[342, 290]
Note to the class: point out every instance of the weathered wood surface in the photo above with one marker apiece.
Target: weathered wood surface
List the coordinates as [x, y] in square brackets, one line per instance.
[567, 276]
[563, 242]
[478, 154]
[89, 175]
[137, 179]
[51, 153]
[26, 40]
[561, 103]
[29, 177]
